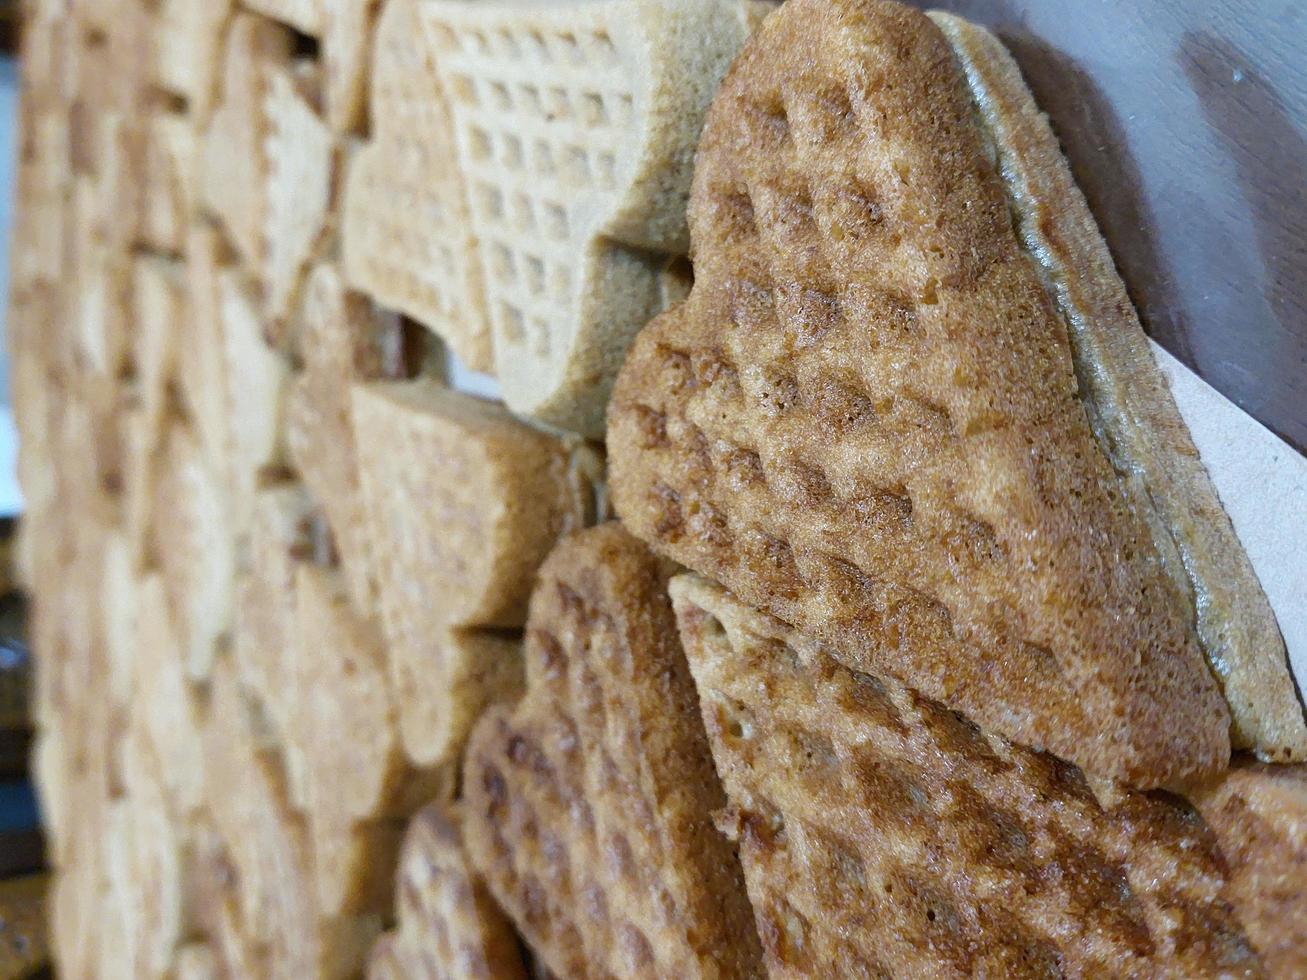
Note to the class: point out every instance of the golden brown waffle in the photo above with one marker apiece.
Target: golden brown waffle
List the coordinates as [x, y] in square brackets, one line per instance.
[449, 926]
[1130, 401]
[406, 237]
[884, 835]
[343, 339]
[588, 805]
[301, 154]
[576, 128]
[1259, 815]
[864, 419]
[461, 502]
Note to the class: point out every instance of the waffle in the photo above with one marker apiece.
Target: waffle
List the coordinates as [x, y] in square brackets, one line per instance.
[234, 164]
[343, 340]
[165, 723]
[461, 503]
[406, 238]
[196, 961]
[168, 178]
[926, 497]
[882, 834]
[300, 152]
[356, 776]
[158, 304]
[149, 857]
[263, 634]
[1259, 815]
[256, 380]
[346, 31]
[188, 42]
[265, 855]
[194, 550]
[389, 959]
[305, 16]
[576, 129]
[443, 683]
[587, 806]
[449, 926]
[200, 353]
[1130, 400]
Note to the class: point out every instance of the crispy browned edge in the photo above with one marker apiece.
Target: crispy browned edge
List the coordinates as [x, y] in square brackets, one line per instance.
[1132, 412]
[612, 568]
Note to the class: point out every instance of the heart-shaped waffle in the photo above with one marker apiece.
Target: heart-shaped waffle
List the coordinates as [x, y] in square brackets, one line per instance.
[865, 418]
[588, 805]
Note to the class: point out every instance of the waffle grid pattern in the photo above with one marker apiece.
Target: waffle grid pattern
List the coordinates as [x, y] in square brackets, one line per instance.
[540, 110]
[878, 828]
[568, 820]
[407, 237]
[830, 426]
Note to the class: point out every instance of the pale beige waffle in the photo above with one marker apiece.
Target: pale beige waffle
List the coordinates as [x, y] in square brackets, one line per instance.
[234, 164]
[406, 234]
[188, 44]
[102, 321]
[864, 419]
[148, 859]
[164, 721]
[390, 959]
[196, 961]
[303, 15]
[576, 128]
[461, 503]
[256, 378]
[201, 372]
[158, 292]
[344, 339]
[448, 924]
[1258, 813]
[168, 181]
[276, 920]
[884, 835]
[346, 728]
[192, 543]
[588, 806]
[301, 155]
[263, 630]
[347, 30]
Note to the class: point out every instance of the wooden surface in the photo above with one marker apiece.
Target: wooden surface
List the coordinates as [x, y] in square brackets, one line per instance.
[1186, 126]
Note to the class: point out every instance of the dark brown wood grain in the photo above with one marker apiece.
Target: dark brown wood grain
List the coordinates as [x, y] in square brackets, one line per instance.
[1186, 126]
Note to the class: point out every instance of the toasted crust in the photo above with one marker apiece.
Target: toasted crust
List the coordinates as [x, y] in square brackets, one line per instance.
[588, 805]
[1130, 406]
[865, 418]
[449, 926]
[1259, 815]
[882, 834]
